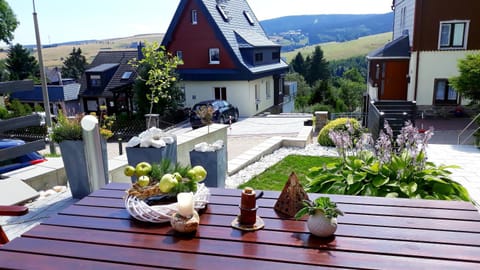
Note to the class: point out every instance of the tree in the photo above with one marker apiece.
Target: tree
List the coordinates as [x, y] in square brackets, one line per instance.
[3, 70]
[8, 22]
[317, 67]
[468, 82]
[74, 65]
[20, 64]
[298, 64]
[156, 81]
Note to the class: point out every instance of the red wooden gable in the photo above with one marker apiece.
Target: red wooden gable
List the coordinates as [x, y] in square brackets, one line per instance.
[195, 40]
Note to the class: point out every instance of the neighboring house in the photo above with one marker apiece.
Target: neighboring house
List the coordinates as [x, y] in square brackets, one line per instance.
[226, 55]
[62, 98]
[429, 37]
[108, 81]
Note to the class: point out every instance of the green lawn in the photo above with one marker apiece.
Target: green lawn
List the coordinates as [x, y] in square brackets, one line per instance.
[275, 177]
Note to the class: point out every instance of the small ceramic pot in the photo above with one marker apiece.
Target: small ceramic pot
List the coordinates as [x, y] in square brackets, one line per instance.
[185, 225]
[321, 226]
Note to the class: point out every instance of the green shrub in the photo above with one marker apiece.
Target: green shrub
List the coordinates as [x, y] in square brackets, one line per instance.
[339, 124]
[3, 113]
[397, 168]
[19, 109]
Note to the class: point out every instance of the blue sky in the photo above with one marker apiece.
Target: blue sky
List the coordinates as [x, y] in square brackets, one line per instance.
[71, 20]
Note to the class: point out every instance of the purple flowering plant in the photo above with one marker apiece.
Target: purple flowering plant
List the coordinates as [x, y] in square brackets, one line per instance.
[388, 167]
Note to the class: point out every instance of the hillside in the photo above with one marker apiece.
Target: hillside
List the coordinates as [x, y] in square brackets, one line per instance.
[54, 55]
[297, 31]
[343, 50]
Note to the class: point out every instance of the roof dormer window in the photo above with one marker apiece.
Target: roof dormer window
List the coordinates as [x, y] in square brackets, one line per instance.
[249, 17]
[95, 80]
[194, 16]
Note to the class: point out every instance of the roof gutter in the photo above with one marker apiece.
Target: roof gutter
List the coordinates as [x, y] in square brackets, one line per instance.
[388, 57]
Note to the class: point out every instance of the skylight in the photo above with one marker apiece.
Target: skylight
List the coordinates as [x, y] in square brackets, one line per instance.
[126, 75]
[221, 10]
[249, 17]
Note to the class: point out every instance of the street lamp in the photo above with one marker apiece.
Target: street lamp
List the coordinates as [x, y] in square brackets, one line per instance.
[46, 100]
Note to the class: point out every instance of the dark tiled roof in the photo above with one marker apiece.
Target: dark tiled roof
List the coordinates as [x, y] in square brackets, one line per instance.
[399, 48]
[237, 32]
[102, 67]
[106, 60]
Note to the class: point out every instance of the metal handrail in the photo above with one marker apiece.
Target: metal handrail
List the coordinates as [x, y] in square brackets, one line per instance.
[465, 129]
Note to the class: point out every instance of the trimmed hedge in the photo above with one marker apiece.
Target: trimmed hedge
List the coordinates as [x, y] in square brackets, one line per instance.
[337, 124]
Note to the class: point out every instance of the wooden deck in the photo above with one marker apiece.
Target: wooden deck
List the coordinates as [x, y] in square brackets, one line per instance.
[375, 233]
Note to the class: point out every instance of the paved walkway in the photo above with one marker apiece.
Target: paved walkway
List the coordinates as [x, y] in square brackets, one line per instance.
[247, 134]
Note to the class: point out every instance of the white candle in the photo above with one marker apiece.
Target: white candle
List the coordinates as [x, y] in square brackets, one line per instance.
[185, 204]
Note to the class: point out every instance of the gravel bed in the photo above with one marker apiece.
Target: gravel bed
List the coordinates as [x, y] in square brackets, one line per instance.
[269, 160]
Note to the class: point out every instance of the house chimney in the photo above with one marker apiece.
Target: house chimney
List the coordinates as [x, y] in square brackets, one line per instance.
[139, 50]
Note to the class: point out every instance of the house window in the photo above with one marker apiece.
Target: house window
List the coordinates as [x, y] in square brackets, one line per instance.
[179, 55]
[444, 93]
[268, 92]
[453, 35]
[220, 93]
[194, 16]
[403, 14]
[275, 55]
[214, 54]
[259, 57]
[95, 81]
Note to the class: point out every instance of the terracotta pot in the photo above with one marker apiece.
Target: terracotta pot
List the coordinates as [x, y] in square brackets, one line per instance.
[321, 226]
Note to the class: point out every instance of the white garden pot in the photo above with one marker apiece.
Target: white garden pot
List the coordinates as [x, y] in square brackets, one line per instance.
[320, 225]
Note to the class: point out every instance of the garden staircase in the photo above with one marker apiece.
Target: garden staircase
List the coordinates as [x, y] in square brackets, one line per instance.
[396, 113]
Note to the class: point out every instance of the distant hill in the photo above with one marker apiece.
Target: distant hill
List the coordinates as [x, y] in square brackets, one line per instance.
[343, 50]
[54, 54]
[297, 31]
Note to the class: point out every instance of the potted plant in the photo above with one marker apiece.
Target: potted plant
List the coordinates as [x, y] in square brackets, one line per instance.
[205, 113]
[155, 84]
[68, 134]
[322, 220]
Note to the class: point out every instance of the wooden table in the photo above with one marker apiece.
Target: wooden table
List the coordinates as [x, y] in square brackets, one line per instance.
[98, 233]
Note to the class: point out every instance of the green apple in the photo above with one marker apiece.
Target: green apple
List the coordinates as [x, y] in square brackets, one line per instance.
[129, 170]
[199, 173]
[143, 180]
[167, 183]
[177, 176]
[143, 168]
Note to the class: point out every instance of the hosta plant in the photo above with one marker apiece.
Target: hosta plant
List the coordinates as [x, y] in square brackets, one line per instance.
[390, 168]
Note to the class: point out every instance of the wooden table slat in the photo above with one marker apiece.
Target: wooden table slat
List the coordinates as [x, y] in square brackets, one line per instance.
[148, 257]
[21, 260]
[285, 224]
[343, 230]
[232, 245]
[229, 202]
[459, 205]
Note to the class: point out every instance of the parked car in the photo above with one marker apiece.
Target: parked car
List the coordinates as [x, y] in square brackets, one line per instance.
[223, 111]
[18, 162]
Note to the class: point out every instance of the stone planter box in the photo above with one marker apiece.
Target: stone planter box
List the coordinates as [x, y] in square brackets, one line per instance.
[151, 155]
[215, 163]
[74, 161]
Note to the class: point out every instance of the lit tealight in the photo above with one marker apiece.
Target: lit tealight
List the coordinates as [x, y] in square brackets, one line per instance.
[185, 204]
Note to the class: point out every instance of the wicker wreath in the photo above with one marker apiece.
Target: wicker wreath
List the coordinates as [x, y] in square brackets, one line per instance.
[138, 209]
